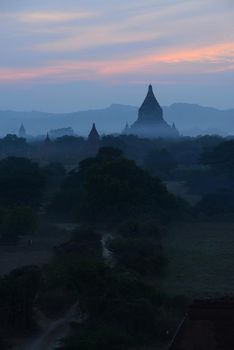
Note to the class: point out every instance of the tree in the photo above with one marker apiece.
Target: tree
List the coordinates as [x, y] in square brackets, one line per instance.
[16, 222]
[69, 143]
[114, 142]
[21, 182]
[11, 145]
[21, 221]
[18, 291]
[85, 242]
[95, 338]
[69, 148]
[109, 153]
[160, 162]
[142, 255]
[220, 158]
[112, 188]
[120, 310]
[216, 204]
[139, 229]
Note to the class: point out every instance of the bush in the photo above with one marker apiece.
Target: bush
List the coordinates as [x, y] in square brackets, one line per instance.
[18, 291]
[160, 163]
[21, 182]
[216, 205]
[84, 243]
[16, 222]
[133, 229]
[54, 302]
[142, 255]
[102, 337]
[21, 220]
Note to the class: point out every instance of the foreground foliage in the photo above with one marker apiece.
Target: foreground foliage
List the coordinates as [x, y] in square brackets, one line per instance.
[112, 188]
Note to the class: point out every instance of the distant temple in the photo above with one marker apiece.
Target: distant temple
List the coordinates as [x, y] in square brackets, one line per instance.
[150, 122]
[55, 133]
[47, 142]
[93, 137]
[47, 149]
[22, 132]
[126, 130]
[93, 142]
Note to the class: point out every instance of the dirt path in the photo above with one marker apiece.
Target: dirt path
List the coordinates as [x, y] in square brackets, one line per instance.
[52, 332]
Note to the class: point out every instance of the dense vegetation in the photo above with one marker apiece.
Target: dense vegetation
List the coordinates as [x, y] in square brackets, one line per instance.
[114, 265]
[110, 188]
[18, 292]
[120, 308]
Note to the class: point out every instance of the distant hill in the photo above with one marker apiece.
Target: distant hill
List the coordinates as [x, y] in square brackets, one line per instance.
[189, 119]
[194, 119]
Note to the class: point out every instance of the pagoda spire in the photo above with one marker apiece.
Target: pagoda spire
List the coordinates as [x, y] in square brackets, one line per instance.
[150, 109]
[47, 139]
[93, 135]
[22, 131]
[150, 122]
[126, 129]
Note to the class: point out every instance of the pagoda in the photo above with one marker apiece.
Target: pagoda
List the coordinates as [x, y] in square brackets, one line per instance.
[22, 132]
[150, 122]
[93, 142]
[126, 130]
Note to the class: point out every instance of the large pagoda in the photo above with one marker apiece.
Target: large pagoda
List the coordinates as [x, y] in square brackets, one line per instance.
[150, 122]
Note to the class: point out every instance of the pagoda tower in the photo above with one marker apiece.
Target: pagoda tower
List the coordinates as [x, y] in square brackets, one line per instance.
[150, 122]
[126, 130]
[93, 142]
[47, 149]
[22, 132]
[93, 137]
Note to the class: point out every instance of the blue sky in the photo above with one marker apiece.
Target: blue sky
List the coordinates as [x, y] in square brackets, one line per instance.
[67, 55]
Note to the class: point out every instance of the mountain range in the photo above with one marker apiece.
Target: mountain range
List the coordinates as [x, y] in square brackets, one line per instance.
[190, 119]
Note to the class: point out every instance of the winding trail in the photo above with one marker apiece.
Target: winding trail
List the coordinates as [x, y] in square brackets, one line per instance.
[56, 330]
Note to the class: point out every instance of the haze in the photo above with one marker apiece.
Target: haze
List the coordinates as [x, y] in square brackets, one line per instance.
[65, 56]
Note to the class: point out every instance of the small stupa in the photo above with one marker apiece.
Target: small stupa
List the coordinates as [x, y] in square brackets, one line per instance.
[47, 141]
[22, 132]
[126, 130]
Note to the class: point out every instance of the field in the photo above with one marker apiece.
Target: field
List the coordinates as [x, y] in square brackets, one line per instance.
[201, 259]
[37, 253]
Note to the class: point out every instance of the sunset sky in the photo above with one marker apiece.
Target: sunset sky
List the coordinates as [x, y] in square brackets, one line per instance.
[68, 55]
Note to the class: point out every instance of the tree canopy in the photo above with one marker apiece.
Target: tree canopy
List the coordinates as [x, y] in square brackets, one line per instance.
[110, 187]
[21, 182]
[220, 158]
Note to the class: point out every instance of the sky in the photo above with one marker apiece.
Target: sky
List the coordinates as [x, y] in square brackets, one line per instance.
[70, 55]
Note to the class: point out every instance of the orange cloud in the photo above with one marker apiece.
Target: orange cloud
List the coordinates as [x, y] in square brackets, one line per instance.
[213, 54]
[59, 71]
[215, 58]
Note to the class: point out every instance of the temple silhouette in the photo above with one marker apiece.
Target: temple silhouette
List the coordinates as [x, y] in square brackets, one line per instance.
[22, 132]
[150, 122]
[93, 142]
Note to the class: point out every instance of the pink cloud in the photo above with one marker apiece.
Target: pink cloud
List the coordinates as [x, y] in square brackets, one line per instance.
[214, 58]
[213, 54]
[55, 16]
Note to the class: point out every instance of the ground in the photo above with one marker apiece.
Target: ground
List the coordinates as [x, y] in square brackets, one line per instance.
[38, 250]
[201, 259]
[179, 189]
[38, 253]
